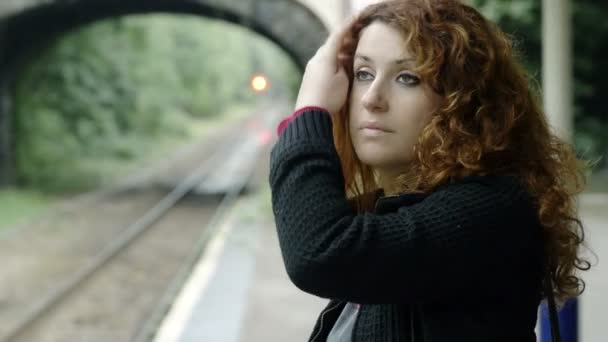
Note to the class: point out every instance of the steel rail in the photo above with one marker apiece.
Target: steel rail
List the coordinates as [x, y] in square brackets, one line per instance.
[129, 235]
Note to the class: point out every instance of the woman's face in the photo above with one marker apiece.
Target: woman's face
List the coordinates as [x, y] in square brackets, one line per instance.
[389, 103]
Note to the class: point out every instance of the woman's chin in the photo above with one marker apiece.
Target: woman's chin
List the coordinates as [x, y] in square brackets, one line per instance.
[379, 160]
[375, 160]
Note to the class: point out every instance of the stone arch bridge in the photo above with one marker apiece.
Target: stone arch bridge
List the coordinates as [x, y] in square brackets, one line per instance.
[296, 26]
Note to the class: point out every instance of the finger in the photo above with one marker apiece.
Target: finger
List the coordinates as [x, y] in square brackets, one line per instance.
[334, 41]
[343, 29]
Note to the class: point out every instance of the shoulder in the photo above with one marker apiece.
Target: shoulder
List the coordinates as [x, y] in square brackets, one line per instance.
[491, 193]
[497, 200]
[495, 186]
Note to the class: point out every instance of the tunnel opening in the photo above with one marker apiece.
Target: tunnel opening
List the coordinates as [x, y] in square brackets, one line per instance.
[27, 35]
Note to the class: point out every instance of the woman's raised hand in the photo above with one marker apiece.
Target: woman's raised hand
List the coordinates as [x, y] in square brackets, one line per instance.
[325, 82]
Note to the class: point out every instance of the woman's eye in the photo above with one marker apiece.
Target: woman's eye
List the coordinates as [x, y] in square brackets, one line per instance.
[408, 79]
[363, 76]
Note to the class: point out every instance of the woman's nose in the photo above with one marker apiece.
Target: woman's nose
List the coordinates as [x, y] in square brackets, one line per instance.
[373, 100]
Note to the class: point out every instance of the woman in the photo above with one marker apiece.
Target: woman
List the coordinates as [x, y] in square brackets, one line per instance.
[418, 185]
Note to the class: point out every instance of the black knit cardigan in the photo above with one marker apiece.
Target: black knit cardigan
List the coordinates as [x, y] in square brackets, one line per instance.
[462, 263]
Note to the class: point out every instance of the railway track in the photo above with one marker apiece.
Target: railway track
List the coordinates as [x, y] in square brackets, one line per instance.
[123, 292]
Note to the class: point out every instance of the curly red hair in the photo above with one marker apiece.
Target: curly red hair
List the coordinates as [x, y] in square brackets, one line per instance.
[490, 122]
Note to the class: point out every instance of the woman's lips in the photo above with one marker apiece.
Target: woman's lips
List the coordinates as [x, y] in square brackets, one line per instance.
[372, 132]
[373, 128]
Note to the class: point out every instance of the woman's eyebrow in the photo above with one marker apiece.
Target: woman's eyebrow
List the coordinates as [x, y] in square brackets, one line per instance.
[365, 58]
[398, 61]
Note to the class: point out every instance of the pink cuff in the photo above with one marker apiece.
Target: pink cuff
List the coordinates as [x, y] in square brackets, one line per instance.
[283, 124]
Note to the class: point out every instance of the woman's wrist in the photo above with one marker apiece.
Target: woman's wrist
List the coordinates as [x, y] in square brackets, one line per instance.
[283, 124]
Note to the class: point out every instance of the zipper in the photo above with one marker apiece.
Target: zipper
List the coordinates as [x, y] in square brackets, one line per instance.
[412, 337]
[382, 199]
[412, 322]
[352, 338]
[321, 319]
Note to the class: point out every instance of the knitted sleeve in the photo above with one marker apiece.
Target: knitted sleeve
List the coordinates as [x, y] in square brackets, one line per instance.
[467, 239]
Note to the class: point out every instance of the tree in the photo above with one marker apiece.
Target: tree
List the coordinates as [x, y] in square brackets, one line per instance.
[522, 20]
[109, 92]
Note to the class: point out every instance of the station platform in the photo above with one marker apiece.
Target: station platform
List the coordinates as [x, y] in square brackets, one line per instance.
[240, 292]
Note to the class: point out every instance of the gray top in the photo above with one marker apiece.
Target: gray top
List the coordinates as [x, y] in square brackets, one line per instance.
[343, 329]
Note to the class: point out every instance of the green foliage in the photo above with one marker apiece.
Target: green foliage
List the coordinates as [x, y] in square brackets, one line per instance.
[522, 19]
[113, 91]
[18, 205]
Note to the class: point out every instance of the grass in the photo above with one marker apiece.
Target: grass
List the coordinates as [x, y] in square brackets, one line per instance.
[235, 113]
[18, 205]
[110, 169]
